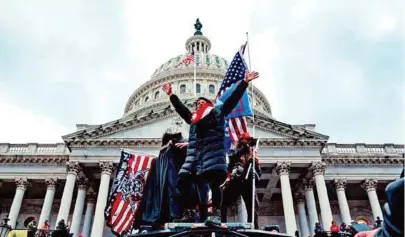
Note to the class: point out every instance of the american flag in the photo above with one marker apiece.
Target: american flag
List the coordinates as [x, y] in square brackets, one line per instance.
[127, 190]
[236, 73]
[189, 59]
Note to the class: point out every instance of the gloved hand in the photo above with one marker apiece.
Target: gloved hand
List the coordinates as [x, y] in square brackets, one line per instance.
[237, 172]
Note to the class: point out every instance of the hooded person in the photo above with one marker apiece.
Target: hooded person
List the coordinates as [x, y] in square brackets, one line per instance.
[205, 162]
[161, 199]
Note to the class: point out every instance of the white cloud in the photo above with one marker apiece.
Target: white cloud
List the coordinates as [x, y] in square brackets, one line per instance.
[103, 51]
[22, 125]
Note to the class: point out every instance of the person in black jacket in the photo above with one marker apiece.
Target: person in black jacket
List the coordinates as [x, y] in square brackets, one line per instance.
[205, 159]
[160, 202]
[240, 177]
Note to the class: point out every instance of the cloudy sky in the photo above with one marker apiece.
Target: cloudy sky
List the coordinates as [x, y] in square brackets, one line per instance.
[337, 64]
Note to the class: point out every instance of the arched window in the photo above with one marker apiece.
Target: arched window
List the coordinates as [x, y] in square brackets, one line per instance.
[156, 94]
[217, 60]
[182, 89]
[146, 99]
[211, 89]
[198, 88]
[207, 59]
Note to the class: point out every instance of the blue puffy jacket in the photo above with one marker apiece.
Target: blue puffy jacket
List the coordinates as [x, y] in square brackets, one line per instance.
[206, 151]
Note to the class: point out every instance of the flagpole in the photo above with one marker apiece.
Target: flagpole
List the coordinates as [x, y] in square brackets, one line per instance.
[251, 86]
[195, 74]
[257, 145]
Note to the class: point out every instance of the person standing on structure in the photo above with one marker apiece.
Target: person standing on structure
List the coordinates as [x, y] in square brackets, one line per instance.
[205, 162]
[239, 181]
[160, 203]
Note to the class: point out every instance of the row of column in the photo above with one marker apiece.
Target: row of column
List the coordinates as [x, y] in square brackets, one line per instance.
[283, 169]
[307, 198]
[73, 169]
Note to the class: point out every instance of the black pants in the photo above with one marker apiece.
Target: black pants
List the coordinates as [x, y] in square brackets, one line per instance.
[243, 189]
[194, 192]
[213, 180]
[189, 198]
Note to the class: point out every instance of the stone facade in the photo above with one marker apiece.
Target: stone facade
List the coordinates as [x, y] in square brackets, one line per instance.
[303, 176]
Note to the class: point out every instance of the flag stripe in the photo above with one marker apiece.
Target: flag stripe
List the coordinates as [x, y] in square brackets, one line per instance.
[126, 192]
[237, 126]
[235, 73]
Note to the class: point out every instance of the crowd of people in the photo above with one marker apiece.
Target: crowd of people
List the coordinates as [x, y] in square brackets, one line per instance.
[344, 229]
[61, 230]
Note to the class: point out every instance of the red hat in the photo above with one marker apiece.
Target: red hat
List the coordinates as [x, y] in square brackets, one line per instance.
[245, 135]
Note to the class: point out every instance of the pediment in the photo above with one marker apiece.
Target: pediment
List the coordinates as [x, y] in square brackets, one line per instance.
[151, 126]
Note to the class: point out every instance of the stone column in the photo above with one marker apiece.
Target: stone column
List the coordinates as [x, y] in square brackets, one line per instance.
[340, 185]
[308, 185]
[283, 169]
[370, 185]
[88, 217]
[83, 185]
[318, 169]
[72, 168]
[302, 215]
[48, 201]
[98, 224]
[22, 185]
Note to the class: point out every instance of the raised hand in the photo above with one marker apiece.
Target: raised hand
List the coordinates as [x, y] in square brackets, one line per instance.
[251, 76]
[181, 145]
[167, 88]
[224, 185]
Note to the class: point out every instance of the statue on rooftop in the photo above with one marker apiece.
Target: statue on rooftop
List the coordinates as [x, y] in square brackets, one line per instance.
[198, 27]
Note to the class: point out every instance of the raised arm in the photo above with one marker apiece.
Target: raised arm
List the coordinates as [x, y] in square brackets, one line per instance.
[180, 108]
[233, 100]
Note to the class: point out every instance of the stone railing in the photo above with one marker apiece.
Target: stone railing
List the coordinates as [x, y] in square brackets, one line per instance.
[361, 148]
[33, 149]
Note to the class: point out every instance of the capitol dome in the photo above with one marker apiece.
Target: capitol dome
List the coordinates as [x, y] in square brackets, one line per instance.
[210, 71]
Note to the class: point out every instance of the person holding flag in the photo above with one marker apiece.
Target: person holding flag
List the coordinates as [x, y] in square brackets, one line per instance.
[235, 122]
[206, 154]
[240, 174]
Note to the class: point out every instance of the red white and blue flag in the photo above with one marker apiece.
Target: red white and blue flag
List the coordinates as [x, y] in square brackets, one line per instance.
[126, 192]
[236, 121]
[189, 58]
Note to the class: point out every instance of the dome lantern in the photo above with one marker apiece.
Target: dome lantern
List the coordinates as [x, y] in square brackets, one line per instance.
[198, 40]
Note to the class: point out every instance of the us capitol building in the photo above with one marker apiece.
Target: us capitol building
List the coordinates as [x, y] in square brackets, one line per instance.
[305, 179]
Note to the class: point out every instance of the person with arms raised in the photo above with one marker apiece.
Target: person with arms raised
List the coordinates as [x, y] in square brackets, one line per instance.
[205, 162]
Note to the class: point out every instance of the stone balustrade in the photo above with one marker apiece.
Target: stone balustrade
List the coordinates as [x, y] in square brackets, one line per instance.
[33, 149]
[361, 148]
[330, 149]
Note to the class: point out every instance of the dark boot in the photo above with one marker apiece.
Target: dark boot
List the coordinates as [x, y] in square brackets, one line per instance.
[189, 216]
[214, 218]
